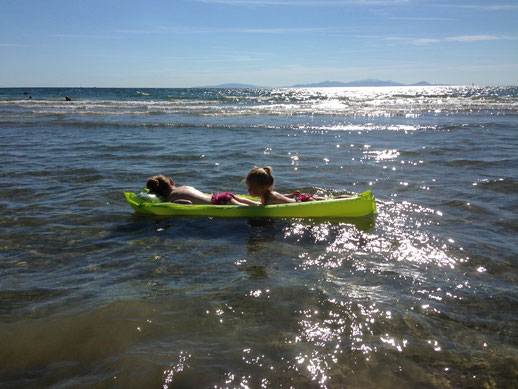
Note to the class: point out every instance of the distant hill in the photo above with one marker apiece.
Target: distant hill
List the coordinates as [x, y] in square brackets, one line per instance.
[422, 83]
[368, 82]
[325, 84]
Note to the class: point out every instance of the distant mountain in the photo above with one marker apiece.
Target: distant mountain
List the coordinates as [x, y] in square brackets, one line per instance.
[368, 82]
[421, 83]
[325, 84]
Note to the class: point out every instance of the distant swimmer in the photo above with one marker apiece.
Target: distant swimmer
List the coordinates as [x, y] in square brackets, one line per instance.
[68, 98]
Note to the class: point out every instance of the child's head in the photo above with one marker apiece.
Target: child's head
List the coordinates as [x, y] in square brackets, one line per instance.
[160, 185]
[259, 180]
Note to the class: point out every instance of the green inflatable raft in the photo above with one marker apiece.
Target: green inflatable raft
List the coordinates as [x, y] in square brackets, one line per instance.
[363, 204]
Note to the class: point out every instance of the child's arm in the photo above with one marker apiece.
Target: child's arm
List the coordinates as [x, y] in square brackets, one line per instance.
[292, 195]
[246, 201]
[298, 196]
[182, 201]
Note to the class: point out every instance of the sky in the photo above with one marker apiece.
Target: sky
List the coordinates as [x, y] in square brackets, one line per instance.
[188, 43]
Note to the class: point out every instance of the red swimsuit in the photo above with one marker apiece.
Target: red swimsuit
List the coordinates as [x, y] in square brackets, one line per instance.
[221, 198]
[304, 197]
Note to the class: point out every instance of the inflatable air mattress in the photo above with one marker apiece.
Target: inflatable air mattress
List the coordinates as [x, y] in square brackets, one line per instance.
[360, 205]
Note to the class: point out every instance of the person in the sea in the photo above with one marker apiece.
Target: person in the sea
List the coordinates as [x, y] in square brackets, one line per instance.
[260, 183]
[165, 187]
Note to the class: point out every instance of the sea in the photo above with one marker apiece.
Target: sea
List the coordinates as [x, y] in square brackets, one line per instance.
[424, 294]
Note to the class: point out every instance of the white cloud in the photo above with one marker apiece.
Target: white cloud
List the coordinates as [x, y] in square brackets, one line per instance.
[424, 19]
[83, 36]
[298, 3]
[474, 38]
[488, 68]
[489, 7]
[11, 45]
[250, 30]
[460, 38]
[414, 41]
[424, 41]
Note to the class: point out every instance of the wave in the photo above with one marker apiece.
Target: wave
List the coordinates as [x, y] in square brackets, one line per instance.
[226, 125]
[465, 205]
[146, 125]
[278, 111]
[350, 102]
[501, 185]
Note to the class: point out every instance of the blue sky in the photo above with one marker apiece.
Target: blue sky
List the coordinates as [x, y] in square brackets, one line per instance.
[181, 43]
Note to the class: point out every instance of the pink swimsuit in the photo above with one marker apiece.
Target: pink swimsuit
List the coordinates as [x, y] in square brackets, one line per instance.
[221, 198]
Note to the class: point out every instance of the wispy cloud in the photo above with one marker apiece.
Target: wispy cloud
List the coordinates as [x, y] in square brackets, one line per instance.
[84, 36]
[222, 57]
[139, 31]
[335, 3]
[488, 68]
[224, 30]
[460, 38]
[485, 7]
[279, 30]
[301, 3]
[12, 45]
[422, 19]
[414, 41]
[476, 38]
[424, 41]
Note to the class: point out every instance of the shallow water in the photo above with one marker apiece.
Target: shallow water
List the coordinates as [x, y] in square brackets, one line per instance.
[423, 295]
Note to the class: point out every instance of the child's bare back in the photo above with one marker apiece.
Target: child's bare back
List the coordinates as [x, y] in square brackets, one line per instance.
[165, 187]
[188, 195]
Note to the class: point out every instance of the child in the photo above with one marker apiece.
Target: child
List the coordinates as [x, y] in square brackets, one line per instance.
[260, 184]
[164, 186]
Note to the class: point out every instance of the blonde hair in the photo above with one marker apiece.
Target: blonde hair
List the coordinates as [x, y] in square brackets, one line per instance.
[159, 185]
[260, 177]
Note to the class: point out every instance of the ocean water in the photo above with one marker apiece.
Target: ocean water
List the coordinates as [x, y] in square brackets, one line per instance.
[423, 295]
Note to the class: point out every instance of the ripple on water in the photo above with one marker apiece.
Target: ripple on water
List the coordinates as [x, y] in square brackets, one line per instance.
[422, 295]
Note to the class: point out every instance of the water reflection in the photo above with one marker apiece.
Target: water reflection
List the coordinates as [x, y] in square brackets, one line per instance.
[343, 322]
[309, 302]
[363, 292]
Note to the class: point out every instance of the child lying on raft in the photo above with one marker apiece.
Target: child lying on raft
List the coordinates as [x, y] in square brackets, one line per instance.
[260, 184]
[164, 186]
